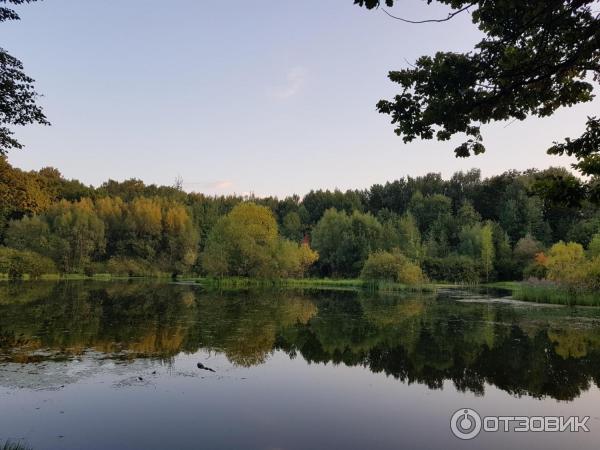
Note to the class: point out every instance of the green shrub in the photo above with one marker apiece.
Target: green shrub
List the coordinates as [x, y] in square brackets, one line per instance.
[535, 270]
[391, 266]
[594, 247]
[17, 263]
[454, 268]
[128, 267]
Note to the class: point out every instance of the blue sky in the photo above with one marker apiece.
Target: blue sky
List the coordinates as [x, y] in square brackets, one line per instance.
[266, 96]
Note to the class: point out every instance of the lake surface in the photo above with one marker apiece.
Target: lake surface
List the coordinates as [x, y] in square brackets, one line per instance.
[92, 365]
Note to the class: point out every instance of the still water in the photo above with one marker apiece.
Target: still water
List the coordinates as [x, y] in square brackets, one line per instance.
[122, 365]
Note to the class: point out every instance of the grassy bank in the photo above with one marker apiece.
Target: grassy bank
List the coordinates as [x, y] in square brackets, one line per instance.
[310, 283]
[548, 293]
[241, 282]
[80, 277]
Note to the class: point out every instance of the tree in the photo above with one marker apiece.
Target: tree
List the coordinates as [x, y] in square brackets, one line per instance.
[487, 250]
[20, 193]
[565, 263]
[520, 214]
[594, 247]
[428, 209]
[535, 57]
[345, 241]
[526, 249]
[437, 242]
[292, 259]
[17, 263]
[70, 233]
[77, 234]
[180, 239]
[466, 215]
[307, 257]
[317, 202]
[410, 237]
[504, 264]
[30, 233]
[17, 95]
[242, 243]
[292, 226]
[246, 243]
[470, 241]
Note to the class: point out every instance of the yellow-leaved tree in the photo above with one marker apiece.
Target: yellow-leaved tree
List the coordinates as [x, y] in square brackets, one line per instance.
[246, 243]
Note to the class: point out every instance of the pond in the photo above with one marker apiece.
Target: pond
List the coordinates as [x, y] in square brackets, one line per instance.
[140, 365]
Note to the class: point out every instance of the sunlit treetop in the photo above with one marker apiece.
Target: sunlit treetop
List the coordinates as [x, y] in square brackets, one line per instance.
[536, 56]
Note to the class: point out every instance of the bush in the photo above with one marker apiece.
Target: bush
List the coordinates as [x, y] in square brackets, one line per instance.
[592, 275]
[246, 243]
[17, 263]
[537, 269]
[128, 267]
[455, 269]
[594, 247]
[564, 262]
[394, 267]
[568, 266]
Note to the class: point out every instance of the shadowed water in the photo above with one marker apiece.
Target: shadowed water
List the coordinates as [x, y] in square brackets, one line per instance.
[116, 365]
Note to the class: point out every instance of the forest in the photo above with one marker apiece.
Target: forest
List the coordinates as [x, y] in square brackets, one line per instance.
[536, 224]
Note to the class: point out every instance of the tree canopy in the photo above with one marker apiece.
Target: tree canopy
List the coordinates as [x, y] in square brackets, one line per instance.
[535, 57]
[460, 229]
[17, 94]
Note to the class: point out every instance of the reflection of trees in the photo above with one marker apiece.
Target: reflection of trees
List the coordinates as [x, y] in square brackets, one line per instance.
[428, 342]
[69, 318]
[245, 326]
[146, 320]
[414, 339]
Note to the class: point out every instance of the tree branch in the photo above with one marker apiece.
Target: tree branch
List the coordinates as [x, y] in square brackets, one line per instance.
[450, 16]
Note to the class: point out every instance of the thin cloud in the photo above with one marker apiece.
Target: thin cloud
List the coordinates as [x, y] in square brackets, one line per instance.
[221, 184]
[216, 185]
[296, 79]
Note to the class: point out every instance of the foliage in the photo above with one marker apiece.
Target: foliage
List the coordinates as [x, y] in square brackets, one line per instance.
[129, 267]
[594, 247]
[17, 95]
[17, 263]
[527, 248]
[538, 268]
[292, 226]
[345, 241]
[545, 292]
[391, 266]
[564, 261]
[69, 233]
[246, 243]
[535, 57]
[146, 229]
[453, 268]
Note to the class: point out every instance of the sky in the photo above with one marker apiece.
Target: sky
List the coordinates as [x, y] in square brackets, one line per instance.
[269, 97]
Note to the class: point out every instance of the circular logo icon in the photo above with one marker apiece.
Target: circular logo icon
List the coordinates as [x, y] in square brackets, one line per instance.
[465, 423]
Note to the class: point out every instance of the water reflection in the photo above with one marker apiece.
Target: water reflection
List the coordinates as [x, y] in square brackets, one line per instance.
[531, 350]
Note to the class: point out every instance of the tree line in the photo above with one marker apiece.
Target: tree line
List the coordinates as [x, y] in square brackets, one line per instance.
[466, 228]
